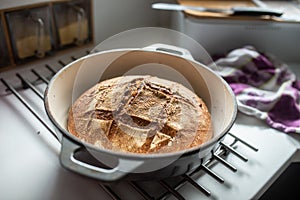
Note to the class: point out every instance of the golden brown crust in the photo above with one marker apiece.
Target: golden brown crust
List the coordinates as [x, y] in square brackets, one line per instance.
[140, 114]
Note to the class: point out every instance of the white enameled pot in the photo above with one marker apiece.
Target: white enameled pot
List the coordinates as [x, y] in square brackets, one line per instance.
[161, 60]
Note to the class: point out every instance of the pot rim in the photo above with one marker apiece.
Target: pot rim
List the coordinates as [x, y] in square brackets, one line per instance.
[198, 148]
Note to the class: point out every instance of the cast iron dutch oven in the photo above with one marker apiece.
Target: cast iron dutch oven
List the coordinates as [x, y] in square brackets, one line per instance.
[75, 78]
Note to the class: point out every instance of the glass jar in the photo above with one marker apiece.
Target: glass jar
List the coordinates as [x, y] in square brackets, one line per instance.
[30, 31]
[72, 21]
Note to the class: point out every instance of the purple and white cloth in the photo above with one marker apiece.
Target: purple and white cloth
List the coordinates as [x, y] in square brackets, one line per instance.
[264, 87]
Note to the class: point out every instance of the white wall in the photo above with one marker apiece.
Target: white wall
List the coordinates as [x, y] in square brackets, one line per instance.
[220, 36]
[114, 16]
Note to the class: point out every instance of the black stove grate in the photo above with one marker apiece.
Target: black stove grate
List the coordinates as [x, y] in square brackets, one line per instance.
[169, 187]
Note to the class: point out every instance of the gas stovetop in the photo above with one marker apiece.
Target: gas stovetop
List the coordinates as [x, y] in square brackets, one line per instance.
[251, 158]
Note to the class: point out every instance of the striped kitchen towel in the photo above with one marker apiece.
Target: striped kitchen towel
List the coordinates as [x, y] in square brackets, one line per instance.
[264, 87]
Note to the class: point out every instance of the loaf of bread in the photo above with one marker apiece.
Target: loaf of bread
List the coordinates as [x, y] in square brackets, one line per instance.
[140, 114]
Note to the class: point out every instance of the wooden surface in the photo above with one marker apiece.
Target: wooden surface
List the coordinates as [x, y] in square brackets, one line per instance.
[227, 4]
[12, 4]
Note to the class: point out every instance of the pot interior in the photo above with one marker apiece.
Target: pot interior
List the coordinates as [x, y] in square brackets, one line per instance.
[74, 79]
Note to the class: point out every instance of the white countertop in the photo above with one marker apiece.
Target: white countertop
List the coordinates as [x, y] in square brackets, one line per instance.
[276, 151]
[30, 167]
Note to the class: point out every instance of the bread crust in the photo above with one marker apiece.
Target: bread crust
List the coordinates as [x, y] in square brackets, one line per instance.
[140, 114]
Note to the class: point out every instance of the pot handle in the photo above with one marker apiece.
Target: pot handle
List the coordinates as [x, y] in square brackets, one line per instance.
[170, 49]
[68, 160]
